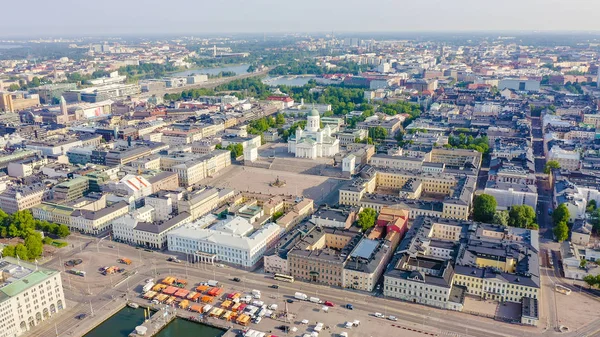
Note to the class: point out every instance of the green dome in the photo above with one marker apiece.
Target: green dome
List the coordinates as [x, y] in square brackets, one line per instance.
[314, 112]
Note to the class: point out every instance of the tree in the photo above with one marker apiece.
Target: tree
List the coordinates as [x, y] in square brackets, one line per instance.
[522, 216]
[8, 251]
[550, 165]
[280, 119]
[24, 222]
[561, 214]
[591, 206]
[484, 208]
[591, 280]
[34, 245]
[236, 150]
[62, 231]
[582, 263]
[379, 133]
[21, 252]
[366, 218]
[501, 218]
[218, 147]
[14, 87]
[561, 231]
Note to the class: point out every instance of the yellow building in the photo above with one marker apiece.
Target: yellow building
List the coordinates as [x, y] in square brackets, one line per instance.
[17, 101]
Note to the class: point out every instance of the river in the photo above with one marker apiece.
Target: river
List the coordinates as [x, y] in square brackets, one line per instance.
[239, 69]
[124, 322]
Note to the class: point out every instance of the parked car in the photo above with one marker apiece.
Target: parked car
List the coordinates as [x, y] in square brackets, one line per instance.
[328, 303]
[274, 286]
[378, 315]
[289, 300]
[81, 316]
[349, 306]
[392, 318]
[236, 279]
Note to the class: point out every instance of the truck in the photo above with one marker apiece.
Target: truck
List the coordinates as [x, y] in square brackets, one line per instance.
[148, 286]
[315, 300]
[125, 260]
[300, 296]
[213, 283]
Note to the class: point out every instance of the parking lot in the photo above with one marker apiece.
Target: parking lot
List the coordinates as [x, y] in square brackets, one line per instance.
[283, 314]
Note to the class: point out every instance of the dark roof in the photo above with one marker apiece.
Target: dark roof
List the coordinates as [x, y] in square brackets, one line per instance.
[159, 227]
[93, 215]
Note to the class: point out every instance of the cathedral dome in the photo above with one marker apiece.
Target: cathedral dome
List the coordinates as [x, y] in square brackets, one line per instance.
[314, 112]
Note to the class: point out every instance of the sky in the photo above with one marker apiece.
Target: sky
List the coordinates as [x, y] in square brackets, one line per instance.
[141, 17]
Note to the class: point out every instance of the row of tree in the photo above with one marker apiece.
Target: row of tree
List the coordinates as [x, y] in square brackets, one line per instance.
[522, 216]
[463, 141]
[21, 224]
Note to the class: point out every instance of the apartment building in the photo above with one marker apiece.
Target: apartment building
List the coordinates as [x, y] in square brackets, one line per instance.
[199, 203]
[457, 190]
[96, 222]
[26, 167]
[18, 198]
[442, 260]
[168, 181]
[455, 157]
[568, 160]
[122, 156]
[31, 294]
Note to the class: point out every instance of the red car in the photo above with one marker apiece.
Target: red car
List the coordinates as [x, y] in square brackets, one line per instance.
[329, 304]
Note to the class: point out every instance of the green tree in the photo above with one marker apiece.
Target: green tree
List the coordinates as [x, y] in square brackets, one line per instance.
[9, 251]
[591, 280]
[583, 263]
[484, 208]
[14, 87]
[379, 133]
[522, 216]
[561, 214]
[550, 165]
[21, 252]
[591, 206]
[24, 222]
[501, 218]
[62, 231]
[561, 231]
[280, 119]
[218, 147]
[47, 240]
[366, 218]
[236, 150]
[34, 245]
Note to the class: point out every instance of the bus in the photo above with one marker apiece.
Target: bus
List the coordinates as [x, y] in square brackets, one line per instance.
[283, 277]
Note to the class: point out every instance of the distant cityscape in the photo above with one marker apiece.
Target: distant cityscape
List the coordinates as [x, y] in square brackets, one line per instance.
[300, 185]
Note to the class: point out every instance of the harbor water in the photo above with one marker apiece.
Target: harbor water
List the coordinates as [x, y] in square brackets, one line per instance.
[124, 322]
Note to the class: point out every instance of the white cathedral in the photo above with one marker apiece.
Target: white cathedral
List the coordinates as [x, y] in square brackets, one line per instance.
[313, 142]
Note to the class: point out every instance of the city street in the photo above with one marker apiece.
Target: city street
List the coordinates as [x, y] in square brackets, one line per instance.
[102, 294]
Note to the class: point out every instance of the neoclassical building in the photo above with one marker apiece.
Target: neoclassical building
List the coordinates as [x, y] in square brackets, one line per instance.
[313, 142]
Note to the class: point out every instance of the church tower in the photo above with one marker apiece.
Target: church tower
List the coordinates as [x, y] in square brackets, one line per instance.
[63, 109]
[313, 121]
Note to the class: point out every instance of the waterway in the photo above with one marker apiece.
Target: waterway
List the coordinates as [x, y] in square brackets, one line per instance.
[124, 322]
[120, 324]
[239, 69]
[182, 328]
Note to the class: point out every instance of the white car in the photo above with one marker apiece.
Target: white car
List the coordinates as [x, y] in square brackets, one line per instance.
[392, 318]
[378, 315]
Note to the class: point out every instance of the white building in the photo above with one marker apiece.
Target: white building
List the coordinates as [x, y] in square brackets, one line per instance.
[568, 160]
[508, 194]
[30, 295]
[313, 142]
[142, 229]
[233, 240]
[133, 185]
[96, 222]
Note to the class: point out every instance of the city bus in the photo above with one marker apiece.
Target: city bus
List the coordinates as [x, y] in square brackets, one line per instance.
[283, 277]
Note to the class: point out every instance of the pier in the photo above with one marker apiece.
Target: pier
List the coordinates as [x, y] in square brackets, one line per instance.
[157, 321]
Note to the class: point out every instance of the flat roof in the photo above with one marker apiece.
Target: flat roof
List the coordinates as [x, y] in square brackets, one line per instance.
[365, 248]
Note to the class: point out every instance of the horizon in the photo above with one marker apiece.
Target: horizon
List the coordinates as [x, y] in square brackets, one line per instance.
[63, 18]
